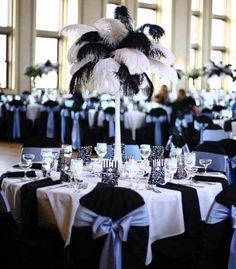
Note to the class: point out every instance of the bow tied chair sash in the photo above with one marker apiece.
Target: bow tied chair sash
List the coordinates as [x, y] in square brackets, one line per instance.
[111, 123]
[219, 213]
[50, 130]
[183, 123]
[116, 230]
[231, 165]
[157, 131]
[16, 130]
[199, 126]
[65, 114]
[170, 145]
[75, 133]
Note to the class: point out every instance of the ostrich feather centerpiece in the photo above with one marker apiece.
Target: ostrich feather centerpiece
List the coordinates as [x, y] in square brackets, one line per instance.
[114, 58]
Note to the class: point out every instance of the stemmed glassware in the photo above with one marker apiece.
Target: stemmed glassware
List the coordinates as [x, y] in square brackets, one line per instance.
[205, 163]
[171, 167]
[26, 164]
[76, 168]
[47, 160]
[131, 168]
[191, 171]
[145, 152]
[101, 150]
[67, 150]
[190, 159]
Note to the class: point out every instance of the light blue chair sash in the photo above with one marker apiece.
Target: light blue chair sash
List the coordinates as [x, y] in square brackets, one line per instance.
[183, 123]
[219, 161]
[4, 205]
[65, 113]
[200, 127]
[117, 231]
[219, 213]
[16, 131]
[157, 130]
[230, 169]
[50, 131]
[111, 123]
[213, 135]
[75, 133]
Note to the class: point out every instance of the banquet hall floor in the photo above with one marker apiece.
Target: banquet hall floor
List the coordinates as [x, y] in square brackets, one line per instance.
[9, 154]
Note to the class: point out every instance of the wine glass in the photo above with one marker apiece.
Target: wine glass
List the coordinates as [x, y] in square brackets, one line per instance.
[131, 170]
[26, 164]
[101, 150]
[47, 164]
[191, 171]
[76, 167]
[171, 167]
[190, 159]
[67, 150]
[205, 163]
[145, 152]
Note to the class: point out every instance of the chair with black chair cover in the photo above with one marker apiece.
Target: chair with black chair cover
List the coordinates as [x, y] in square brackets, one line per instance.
[43, 250]
[109, 207]
[200, 123]
[218, 108]
[218, 238]
[49, 122]
[156, 130]
[17, 126]
[207, 111]
[176, 140]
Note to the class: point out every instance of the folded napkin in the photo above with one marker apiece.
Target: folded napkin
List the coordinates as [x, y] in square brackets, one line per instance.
[16, 174]
[191, 208]
[222, 180]
[34, 166]
[29, 202]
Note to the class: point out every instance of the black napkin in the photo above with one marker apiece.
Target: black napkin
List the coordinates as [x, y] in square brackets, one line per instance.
[16, 174]
[29, 202]
[191, 208]
[221, 180]
[34, 166]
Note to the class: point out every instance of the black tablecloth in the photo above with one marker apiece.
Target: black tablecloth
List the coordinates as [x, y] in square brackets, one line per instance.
[191, 208]
[221, 180]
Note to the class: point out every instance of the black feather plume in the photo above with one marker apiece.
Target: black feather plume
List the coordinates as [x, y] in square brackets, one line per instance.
[81, 77]
[156, 53]
[98, 50]
[92, 36]
[122, 14]
[146, 85]
[129, 83]
[136, 41]
[155, 31]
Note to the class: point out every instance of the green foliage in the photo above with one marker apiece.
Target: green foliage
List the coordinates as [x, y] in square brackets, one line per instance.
[194, 73]
[33, 71]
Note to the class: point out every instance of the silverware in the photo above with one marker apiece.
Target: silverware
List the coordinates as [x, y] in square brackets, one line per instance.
[152, 188]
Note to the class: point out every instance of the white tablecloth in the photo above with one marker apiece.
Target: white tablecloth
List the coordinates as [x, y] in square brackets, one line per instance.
[57, 206]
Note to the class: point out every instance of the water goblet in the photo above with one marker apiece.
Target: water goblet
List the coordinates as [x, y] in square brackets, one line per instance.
[191, 171]
[47, 164]
[101, 150]
[145, 152]
[26, 164]
[76, 167]
[131, 170]
[171, 167]
[190, 159]
[205, 163]
[67, 150]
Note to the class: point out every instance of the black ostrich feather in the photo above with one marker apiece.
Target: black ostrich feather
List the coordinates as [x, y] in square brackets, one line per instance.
[146, 85]
[122, 14]
[81, 77]
[155, 31]
[129, 83]
[92, 36]
[98, 50]
[137, 41]
[180, 73]
[156, 53]
[218, 70]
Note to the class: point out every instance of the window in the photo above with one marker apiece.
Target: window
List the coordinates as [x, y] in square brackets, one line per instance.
[217, 56]
[5, 36]
[110, 10]
[47, 36]
[147, 12]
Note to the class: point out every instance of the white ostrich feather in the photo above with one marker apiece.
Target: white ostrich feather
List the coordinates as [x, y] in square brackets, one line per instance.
[105, 77]
[76, 30]
[76, 66]
[111, 30]
[164, 70]
[73, 51]
[169, 55]
[135, 60]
